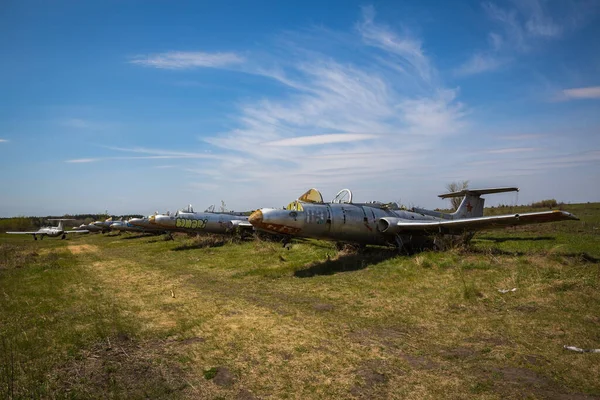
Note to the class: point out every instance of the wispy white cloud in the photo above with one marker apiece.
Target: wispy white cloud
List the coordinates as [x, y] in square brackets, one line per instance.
[335, 120]
[4, 140]
[150, 154]
[187, 60]
[165, 166]
[478, 63]
[375, 103]
[513, 150]
[338, 122]
[538, 22]
[520, 29]
[525, 136]
[590, 92]
[407, 49]
[77, 123]
[321, 139]
[83, 160]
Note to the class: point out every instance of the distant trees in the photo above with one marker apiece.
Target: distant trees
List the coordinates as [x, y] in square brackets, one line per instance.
[548, 203]
[34, 223]
[17, 224]
[456, 187]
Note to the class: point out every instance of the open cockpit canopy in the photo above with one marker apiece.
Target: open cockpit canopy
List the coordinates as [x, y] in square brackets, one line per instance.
[311, 196]
[344, 196]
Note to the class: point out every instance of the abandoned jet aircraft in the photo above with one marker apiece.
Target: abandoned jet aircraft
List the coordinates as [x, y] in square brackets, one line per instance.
[104, 225]
[386, 224]
[127, 226]
[142, 222]
[89, 227]
[52, 231]
[188, 221]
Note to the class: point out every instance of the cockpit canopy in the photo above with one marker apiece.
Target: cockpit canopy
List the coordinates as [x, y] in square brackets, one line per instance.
[344, 196]
[311, 196]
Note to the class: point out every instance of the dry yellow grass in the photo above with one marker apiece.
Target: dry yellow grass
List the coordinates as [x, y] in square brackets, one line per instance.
[82, 248]
[214, 319]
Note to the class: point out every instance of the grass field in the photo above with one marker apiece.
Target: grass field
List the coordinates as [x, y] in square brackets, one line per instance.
[139, 317]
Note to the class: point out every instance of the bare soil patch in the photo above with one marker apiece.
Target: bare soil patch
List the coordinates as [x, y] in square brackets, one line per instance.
[141, 370]
[372, 378]
[82, 248]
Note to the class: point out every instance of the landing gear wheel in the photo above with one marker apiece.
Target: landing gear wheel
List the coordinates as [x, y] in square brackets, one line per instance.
[63, 237]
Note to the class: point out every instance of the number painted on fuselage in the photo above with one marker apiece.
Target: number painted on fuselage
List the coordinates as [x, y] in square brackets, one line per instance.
[191, 223]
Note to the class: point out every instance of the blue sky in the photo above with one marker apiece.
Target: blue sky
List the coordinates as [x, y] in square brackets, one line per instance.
[137, 106]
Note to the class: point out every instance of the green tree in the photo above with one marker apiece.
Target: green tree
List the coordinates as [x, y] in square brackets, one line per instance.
[456, 187]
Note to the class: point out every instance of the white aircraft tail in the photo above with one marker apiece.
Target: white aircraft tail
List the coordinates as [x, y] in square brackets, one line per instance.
[472, 204]
[60, 221]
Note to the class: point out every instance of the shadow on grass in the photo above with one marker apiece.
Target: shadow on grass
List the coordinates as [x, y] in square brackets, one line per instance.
[346, 262]
[205, 241]
[517, 239]
[196, 246]
[581, 256]
[138, 236]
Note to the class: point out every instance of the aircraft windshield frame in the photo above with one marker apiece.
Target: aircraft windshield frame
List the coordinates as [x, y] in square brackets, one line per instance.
[295, 206]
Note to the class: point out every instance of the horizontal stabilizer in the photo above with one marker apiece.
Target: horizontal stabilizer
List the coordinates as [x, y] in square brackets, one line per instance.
[478, 192]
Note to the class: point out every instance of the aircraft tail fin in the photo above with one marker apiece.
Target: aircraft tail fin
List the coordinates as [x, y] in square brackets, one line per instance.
[60, 221]
[472, 204]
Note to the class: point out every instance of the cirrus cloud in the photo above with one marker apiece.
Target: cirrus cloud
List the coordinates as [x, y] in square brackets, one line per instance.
[187, 60]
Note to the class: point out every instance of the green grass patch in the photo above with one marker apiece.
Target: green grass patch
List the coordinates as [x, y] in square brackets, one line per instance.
[134, 316]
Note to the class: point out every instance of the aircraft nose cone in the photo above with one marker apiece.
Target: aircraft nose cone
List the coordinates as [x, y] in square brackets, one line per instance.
[256, 218]
[152, 219]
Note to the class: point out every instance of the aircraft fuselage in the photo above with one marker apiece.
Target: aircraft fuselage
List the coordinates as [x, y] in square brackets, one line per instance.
[342, 222]
[199, 222]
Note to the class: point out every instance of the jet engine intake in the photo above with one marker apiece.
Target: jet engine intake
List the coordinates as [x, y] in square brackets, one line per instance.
[388, 225]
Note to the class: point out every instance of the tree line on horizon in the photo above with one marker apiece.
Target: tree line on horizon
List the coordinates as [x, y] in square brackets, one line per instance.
[23, 223]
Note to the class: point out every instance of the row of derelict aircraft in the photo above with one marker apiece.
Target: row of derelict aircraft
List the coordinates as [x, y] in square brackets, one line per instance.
[340, 220]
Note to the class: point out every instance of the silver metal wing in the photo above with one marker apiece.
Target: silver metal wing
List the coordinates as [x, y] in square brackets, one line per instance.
[390, 225]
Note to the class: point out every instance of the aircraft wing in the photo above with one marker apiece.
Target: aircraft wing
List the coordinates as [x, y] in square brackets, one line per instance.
[77, 231]
[23, 233]
[394, 226]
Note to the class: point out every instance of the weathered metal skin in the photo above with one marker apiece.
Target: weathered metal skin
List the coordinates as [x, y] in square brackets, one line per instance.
[385, 224]
[331, 221]
[142, 222]
[127, 226]
[199, 222]
[89, 227]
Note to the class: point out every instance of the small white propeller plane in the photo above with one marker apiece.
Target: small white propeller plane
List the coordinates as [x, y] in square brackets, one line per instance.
[52, 231]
